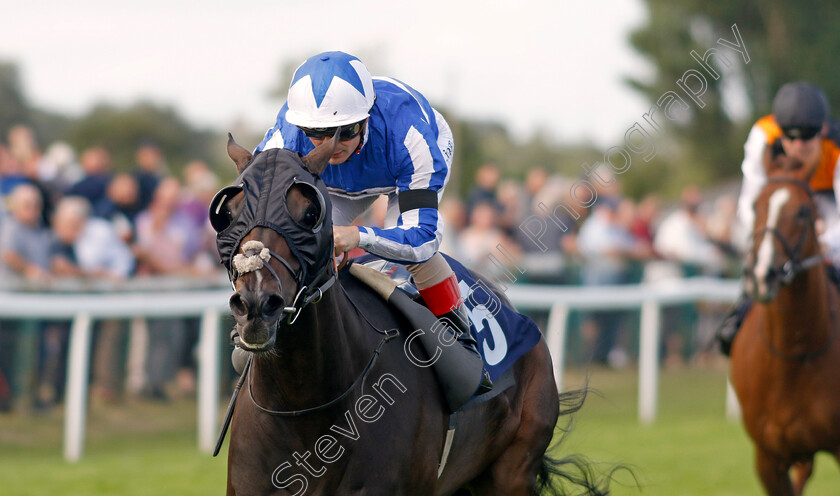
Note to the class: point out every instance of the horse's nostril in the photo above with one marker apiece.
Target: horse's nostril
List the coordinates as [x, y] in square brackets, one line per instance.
[272, 304]
[238, 306]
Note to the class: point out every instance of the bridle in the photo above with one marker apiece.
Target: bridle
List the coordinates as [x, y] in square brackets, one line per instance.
[305, 295]
[788, 272]
[794, 265]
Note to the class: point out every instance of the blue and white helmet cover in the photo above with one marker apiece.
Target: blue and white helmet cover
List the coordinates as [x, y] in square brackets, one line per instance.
[328, 90]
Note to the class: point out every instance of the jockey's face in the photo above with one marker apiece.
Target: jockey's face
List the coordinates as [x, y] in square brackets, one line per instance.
[809, 152]
[344, 149]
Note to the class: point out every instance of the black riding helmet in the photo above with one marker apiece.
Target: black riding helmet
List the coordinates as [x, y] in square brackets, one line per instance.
[800, 105]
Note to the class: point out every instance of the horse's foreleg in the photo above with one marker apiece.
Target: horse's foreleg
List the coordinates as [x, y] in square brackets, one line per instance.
[801, 472]
[774, 474]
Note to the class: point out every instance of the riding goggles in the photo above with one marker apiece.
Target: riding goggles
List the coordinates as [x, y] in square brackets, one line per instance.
[803, 133]
[347, 132]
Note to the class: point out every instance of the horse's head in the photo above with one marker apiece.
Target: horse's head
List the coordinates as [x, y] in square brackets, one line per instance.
[784, 241]
[275, 238]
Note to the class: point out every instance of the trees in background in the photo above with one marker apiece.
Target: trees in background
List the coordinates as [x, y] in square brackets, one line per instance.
[786, 41]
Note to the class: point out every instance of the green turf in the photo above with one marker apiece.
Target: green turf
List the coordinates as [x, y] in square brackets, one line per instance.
[691, 449]
[150, 449]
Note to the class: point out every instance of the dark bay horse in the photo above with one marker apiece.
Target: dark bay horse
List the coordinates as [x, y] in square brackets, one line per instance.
[330, 404]
[786, 358]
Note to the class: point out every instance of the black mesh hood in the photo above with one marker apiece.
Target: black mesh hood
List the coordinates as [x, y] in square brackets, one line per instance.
[265, 183]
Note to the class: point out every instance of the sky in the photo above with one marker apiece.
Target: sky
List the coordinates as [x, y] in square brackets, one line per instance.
[554, 67]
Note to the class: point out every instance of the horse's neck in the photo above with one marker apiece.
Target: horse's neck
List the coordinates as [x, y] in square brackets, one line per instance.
[313, 360]
[800, 318]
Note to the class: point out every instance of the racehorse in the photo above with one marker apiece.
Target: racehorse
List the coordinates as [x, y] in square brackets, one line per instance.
[786, 359]
[330, 404]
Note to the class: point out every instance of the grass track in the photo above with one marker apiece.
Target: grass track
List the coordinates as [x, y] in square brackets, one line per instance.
[150, 449]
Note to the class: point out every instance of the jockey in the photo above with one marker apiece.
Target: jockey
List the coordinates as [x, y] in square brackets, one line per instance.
[800, 128]
[391, 142]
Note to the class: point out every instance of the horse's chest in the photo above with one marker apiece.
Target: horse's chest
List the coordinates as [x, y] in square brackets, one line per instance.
[789, 429]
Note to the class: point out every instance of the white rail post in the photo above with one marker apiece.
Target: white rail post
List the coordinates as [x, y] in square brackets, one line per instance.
[733, 407]
[649, 361]
[555, 338]
[208, 380]
[78, 364]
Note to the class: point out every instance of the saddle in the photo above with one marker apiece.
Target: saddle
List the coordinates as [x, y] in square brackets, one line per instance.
[396, 272]
[502, 334]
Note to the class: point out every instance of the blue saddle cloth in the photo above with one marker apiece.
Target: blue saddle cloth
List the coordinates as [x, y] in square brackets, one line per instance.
[503, 334]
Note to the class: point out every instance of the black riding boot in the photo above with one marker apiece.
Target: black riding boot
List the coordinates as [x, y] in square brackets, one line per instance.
[732, 323]
[459, 318]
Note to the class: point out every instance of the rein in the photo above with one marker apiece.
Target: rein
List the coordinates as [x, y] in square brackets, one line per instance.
[389, 335]
[793, 266]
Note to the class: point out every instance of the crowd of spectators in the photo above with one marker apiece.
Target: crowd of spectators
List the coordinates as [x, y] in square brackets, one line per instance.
[83, 224]
[84, 221]
[534, 231]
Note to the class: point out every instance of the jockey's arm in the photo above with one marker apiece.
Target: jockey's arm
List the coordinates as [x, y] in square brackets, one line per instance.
[754, 176]
[416, 237]
[421, 174]
[830, 239]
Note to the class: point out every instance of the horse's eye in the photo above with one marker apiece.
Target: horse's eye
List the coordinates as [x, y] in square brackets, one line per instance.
[805, 213]
[313, 213]
[310, 217]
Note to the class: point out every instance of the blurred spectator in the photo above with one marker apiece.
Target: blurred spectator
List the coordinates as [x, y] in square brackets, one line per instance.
[200, 185]
[513, 205]
[683, 243]
[167, 239]
[454, 215]
[642, 227]
[87, 246]
[484, 191]
[541, 233]
[25, 252]
[606, 246]
[24, 241]
[149, 171]
[535, 181]
[25, 150]
[96, 165]
[682, 237]
[121, 206]
[168, 243]
[59, 167]
[11, 173]
[721, 224]
[482, 238]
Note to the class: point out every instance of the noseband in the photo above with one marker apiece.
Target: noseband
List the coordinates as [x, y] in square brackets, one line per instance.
[242, 264]
[794, 264]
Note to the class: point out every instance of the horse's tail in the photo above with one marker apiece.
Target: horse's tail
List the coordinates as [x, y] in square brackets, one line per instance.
[555, 475]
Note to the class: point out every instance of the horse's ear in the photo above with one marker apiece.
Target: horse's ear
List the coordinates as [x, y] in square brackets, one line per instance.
[316, 160]
[240, 156]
